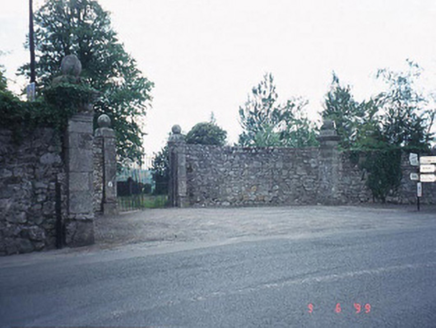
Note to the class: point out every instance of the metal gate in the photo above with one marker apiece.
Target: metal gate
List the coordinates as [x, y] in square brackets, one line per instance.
[136, 188]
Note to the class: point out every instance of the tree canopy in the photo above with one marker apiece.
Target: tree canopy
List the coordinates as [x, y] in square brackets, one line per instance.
[206, 133]
[405, 120]
[83, 28]
[395, 120]
[267, 123]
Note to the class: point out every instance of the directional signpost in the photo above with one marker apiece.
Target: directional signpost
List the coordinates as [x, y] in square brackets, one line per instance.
[427, 159]
[427, 168]
[428, 178]
[427, 171]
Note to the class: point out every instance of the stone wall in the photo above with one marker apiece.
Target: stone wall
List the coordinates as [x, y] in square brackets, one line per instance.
[29, 171]
[51, 187]
[203, 175]
[234, 176]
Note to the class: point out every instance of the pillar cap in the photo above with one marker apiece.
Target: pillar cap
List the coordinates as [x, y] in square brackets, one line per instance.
[104, 121]
[176, 129]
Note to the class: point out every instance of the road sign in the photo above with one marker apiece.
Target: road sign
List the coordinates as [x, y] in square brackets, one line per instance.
[428, 178]
[414, 176]
[427, 168]
[419, 189]
[427, 159]
[413, 159]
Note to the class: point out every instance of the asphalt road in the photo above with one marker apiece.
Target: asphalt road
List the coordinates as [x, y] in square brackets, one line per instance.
[251, 281]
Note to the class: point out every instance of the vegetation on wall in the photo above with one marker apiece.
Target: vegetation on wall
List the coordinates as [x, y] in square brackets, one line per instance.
[52, 110]
[378, 131]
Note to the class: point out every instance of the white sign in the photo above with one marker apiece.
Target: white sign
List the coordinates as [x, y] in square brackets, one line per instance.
[427, 159]
[419, 189]
[428, 178]
[414, 176]
[427, 168]
[413, 159]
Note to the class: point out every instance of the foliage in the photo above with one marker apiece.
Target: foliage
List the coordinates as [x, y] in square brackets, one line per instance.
[259, 118]
[160, 171]
[385, 175]
[83, 28]
[206, 133]
[69, 96]
[266, 123]
[298, 131]
[406, 123]
[19, 115]
[347, 114]
[379, 130]
[3, 81]
[141, 201]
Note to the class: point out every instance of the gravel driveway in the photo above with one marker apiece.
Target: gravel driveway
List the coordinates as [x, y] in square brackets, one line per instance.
[169, 226]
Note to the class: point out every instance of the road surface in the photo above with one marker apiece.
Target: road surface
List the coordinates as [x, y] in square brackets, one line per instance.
[379, 262]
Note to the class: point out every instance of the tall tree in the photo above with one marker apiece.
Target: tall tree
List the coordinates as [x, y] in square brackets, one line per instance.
[260, 117]
[83, 28]
[267, 123]
[406, 121]
[347, 114]
[297, 131]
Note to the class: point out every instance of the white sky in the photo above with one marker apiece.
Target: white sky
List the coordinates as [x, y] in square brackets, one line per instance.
[206, 55]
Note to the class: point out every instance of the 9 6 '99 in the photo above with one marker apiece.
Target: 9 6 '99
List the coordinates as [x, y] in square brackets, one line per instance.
[338, 309]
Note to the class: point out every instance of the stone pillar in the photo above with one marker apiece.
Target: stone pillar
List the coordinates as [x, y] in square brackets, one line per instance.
[79, 224]
[329, 164]
[177, 165]
[106, 139]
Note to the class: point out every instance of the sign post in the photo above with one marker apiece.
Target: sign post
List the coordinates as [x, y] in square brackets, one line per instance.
[418, 193]
[426, 166]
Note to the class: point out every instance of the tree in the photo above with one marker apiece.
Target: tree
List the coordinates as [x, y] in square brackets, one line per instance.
[83, 28]
[347, 113]
[405, 121]
[3, 80]
[259, 117]
[298, 131]
[206, 133]
[266, 123]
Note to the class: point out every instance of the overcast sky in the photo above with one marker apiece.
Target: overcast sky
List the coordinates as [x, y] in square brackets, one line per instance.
[205, 55]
